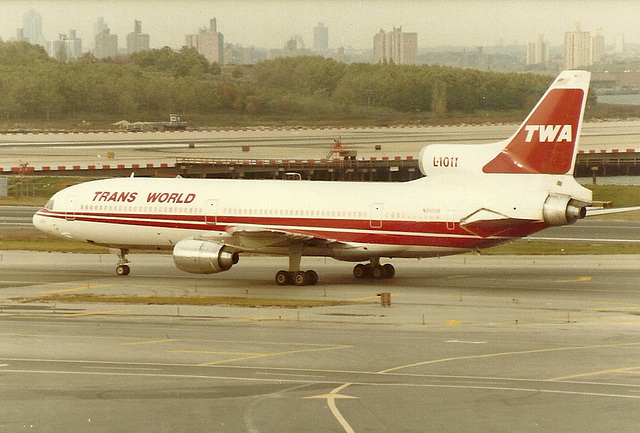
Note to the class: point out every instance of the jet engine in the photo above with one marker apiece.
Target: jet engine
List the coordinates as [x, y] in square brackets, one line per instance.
[203, 257]
[560, 210]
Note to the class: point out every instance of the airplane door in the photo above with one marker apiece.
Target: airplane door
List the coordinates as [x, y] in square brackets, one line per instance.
[211, 212]
[70, 208]
[451, 222]
[375, 217]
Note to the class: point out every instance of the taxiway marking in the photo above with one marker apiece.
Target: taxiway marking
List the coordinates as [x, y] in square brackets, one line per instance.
[95, 313]
[75, 289]
[574, 280]
[331, 401]
[219, 352]
[595, 373]
[135, 343]
[289, 352]
[499, 354]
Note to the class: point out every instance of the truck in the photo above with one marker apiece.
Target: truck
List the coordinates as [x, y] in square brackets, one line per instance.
[175, 123]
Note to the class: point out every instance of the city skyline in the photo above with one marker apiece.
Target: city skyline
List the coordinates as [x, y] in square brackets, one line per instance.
[351, 23]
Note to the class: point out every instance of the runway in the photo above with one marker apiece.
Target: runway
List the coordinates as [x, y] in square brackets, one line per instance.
[470, 343]
[112, 148]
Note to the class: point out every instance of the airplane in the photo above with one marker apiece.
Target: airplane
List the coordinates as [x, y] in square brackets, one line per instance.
[471, 196]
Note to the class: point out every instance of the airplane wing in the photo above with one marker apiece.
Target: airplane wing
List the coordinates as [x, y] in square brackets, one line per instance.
[253, 238]
[598, 211]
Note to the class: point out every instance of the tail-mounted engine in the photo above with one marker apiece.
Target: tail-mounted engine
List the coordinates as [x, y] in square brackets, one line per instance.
[203, 257]
[561, 210]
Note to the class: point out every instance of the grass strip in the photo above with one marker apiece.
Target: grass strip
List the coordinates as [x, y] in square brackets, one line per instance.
[204, 301]
[36, 241]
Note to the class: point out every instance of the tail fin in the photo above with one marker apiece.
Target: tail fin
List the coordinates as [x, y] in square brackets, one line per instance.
[547, 141]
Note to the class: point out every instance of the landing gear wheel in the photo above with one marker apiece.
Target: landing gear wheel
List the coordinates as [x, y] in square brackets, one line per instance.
[378, 272]
[360, 271]
[283, 278]
[122, 270]
[312, 277]
[389, 270]
[300, 278]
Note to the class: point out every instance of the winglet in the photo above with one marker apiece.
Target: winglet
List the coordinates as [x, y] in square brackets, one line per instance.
[547, 141]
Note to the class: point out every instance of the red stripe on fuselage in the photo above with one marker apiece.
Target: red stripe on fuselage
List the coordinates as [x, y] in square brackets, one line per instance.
[407, 233]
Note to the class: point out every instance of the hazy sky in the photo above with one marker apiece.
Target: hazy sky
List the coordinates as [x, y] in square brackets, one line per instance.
[352, 23]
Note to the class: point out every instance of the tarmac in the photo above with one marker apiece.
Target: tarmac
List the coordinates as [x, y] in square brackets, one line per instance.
[469, 343]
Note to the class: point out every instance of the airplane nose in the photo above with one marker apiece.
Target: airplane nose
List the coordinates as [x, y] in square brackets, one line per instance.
[37, 219]
[40, 222]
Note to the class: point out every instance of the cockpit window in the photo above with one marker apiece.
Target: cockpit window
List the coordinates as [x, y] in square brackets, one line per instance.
[49, 205]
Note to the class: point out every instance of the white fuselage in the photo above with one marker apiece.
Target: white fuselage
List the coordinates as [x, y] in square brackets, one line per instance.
[355, 220]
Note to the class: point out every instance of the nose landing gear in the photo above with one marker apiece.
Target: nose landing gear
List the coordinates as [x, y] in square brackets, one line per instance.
[123, 268]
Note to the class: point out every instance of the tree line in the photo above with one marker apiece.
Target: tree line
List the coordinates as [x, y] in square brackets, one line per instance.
[153, 83]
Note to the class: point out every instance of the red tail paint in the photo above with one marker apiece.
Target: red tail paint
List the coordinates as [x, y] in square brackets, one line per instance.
[546, 142]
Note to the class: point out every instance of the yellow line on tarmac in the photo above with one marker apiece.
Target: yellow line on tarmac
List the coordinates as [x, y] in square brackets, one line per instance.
[364, 298]
[219, 352]
[575, 280]
[94, 313]
[594, 373]
[76, 289]
[134, 343]
[289, 352]
[500, 354]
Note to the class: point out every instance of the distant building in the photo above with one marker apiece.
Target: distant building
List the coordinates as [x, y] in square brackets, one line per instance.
[236, 54]
[66, 48]
[208, 42]
[291, 45]
[395, 47]
[320, 37]
[106, 45]
[577, 48]
[99, 26]
[299, 42]
[32, 28]
[597, 47]
[137, 41]
[538, 51]
[294, 47]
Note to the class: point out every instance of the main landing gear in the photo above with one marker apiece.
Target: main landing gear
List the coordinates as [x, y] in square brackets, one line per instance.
[123, 269]
[297, 278]
[294, 276]
[374, 270]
